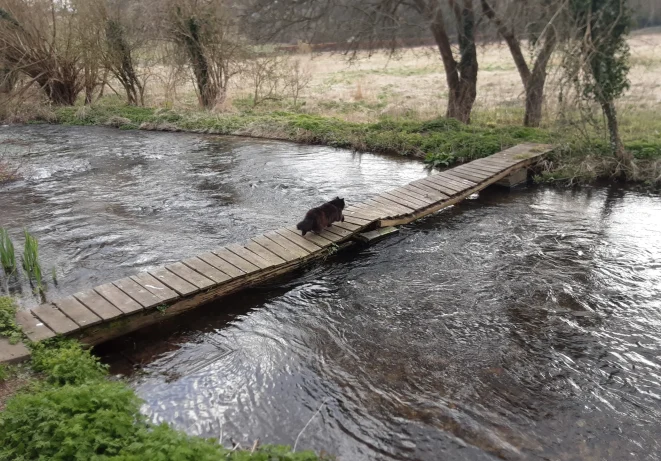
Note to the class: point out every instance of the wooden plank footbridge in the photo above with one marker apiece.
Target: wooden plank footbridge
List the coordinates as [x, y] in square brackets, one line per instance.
[126, 305]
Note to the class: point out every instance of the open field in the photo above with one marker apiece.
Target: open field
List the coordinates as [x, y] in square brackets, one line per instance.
[412, 84]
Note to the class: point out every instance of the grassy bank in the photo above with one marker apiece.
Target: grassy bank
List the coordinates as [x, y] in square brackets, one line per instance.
[63, 406]
[580, 157]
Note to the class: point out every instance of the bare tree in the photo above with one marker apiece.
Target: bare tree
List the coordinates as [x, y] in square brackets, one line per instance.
[544, 42]
[39, 39]
[208, 35]
[375, 23]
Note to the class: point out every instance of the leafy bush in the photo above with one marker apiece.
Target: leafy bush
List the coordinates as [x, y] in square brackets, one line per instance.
[8, 326]
[69, 423]
[68, 363]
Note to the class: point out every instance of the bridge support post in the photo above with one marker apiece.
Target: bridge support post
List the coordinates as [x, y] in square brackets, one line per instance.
[515, 178]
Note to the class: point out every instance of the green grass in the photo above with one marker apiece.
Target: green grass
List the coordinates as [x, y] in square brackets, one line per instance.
[7, 254]
[31, 260]
[76, 413]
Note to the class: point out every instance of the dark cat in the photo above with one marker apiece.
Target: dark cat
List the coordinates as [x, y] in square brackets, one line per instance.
[322, 216]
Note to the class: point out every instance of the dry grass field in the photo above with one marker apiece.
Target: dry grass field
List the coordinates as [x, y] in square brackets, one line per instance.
[412, 84]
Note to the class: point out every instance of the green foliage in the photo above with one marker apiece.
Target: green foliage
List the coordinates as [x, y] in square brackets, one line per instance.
[31, 259]
[602, 27]
[66, 362]
[4, 373]
[69, 423]
[7, 254]
[8, 326]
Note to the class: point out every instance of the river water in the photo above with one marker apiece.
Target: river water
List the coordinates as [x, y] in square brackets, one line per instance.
[518, 325]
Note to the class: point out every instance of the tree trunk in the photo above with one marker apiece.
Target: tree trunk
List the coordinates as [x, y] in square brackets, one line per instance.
[60, 93]
[461, 77]
[617, 148]
[7, 80]
[535, 84]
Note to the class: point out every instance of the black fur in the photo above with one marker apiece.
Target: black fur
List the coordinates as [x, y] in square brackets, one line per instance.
[322, 216]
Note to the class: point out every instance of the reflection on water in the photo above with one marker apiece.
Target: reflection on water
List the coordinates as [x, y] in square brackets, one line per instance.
[105, 203]
[523, 325]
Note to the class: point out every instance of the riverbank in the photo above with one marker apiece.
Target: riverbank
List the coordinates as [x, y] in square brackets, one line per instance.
[64, 405]
[579, 157]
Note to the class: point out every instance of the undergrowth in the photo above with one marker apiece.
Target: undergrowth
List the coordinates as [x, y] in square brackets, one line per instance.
[8, 327]
[77, 413]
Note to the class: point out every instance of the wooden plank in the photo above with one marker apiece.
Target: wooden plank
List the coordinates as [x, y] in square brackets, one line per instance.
[236, 261]
[32, 327]
[444, 189]
[460, 182]
[189, 275]
[402, 201]
[207, 270]
[358, 221]
[97, 304]
[273, 247]
[488, 169]
[297, 239]
[77, 312]
[249, 256]
[287, 245]
[418, 196]
[154, 286]
[173, 281]
[393, 205]
[12, 353]
[264, 253]
[439, 196]
[456, 182]
[377, 234]
[443, 185]
[395, 194]
[497, 162]
[456, 179]
[54, 319]
[118, 298]
[317, 239]
[383, 210]
[221, 265]
[347, 225]
[361, 213]
[468, 176]
[331, 236]
[470, 170]
[138, 293]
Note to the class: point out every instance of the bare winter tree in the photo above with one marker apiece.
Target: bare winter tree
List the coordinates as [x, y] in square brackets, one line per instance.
[542, 34]
[372, 23]
[208, 35]
[50, 43]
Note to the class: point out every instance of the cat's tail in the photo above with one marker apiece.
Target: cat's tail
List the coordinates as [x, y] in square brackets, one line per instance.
[305, 226]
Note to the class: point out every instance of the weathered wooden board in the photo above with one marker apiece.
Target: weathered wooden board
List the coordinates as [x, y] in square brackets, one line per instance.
[155, 287]
[34, 328]
[118, 298]
[138, 293]
[77, 312]
[55, 319]
[98, 304]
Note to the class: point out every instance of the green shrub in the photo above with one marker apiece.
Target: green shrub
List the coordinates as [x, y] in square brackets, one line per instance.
[67, 363]
[69, 423]
[8, 326]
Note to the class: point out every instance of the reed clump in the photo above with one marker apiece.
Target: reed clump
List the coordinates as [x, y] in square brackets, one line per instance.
[7, 253]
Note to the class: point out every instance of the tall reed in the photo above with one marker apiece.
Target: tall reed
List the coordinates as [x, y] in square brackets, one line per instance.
[7, 254]
[31, 259]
